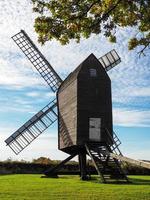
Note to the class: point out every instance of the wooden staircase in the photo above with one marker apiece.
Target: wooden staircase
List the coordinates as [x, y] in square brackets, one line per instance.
[109, 168]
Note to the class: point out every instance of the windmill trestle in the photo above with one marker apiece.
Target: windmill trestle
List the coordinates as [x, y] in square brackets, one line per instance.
[107, 167]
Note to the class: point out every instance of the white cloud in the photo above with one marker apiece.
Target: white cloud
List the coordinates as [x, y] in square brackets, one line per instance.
[40, 94]
[33, 94]
[18, 109]
[14, 71]
[131, 118]
[141, 92]
[140, 154]
[14, 74]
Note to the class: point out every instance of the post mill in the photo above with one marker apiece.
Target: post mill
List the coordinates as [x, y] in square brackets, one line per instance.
[83, 107]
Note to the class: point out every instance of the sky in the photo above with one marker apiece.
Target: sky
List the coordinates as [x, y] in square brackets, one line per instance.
[23, 92]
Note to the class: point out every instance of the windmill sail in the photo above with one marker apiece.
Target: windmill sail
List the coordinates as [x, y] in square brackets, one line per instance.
[37, 59]
[110, 60]
[33, 128]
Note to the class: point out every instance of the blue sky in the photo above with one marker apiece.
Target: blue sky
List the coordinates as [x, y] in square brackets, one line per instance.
[23, 92]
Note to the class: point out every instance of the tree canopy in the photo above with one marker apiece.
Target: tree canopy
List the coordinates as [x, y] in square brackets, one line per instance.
[73, 19]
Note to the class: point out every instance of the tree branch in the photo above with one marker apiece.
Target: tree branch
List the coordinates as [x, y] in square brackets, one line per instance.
[85, 12]
[141, 52]
[106, 14]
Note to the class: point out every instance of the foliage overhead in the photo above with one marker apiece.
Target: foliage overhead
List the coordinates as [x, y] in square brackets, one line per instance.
[72, 19]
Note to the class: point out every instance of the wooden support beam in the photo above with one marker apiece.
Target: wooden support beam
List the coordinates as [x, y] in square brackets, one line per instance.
[82, 164]
[54, 170]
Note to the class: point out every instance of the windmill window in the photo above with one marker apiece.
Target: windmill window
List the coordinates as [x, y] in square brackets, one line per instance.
[93, 72]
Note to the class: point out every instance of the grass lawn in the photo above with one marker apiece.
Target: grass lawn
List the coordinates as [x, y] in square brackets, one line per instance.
[32, 187]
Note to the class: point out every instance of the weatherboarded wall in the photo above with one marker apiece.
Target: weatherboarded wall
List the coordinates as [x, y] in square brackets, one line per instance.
[67, 123]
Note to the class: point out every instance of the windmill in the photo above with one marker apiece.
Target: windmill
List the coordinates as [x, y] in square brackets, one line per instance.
[83, 107]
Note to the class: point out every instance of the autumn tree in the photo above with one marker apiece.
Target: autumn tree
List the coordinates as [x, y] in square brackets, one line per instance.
[72, 19]
[42, 160]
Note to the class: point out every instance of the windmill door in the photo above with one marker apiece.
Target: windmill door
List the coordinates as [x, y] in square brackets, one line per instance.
[95, 129]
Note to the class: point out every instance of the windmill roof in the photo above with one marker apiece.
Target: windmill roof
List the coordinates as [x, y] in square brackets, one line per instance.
[73, 75]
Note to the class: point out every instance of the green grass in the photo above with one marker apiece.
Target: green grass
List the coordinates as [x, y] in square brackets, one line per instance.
[31, 187]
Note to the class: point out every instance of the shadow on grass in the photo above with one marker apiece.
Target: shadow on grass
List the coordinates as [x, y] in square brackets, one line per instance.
[132, 181]
[115, 182]
[136, 181]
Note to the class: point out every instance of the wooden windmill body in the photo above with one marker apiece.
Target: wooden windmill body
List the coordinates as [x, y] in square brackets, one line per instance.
[84, 106]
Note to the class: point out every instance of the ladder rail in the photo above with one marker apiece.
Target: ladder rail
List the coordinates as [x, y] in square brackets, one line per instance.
[118, 162]
[95, 164]
[115, 147]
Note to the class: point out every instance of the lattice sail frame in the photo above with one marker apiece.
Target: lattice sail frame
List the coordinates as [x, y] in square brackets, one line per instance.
[21, 138]
[37, 59]
[110, 60]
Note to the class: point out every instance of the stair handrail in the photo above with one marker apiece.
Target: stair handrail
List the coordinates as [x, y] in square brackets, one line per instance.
[97, 169]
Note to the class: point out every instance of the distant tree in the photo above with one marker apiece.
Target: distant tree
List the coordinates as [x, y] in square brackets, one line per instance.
[72, 19]
[23, 161]
[72, 162]
[9, 160]
[42, 160]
